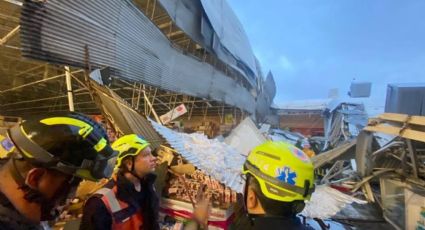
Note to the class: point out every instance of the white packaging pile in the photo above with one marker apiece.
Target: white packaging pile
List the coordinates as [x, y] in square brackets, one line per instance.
[215, 158]
[326, 202]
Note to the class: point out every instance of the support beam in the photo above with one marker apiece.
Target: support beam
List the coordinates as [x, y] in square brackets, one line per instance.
[162, 103]
[175, 33]
[44, 99]
[133, 96]
[164, 25]
[138, 97]
[153, 110]
[153, 100]
[12, 47]
[69, 89]
[32, 83]
[413, 157]
[153, 10]
[9, 35]
[47, 106]
[9, 18]
[18, 3]
[191, 110]
[29, 70]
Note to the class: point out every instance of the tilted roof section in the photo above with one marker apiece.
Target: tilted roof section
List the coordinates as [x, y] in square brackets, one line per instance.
[214, 25]
[118, 35]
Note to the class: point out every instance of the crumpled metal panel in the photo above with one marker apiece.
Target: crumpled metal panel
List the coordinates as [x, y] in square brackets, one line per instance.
[334, 154]
[213, 157]
[187, 14]
[364, 150]
[270, 86]
[265, 99]
[121, 37]
[230, 31]
[407, 98]
[213, 25]
[126, 119]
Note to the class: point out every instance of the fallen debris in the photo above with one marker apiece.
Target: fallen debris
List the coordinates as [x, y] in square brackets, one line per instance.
[326, 202]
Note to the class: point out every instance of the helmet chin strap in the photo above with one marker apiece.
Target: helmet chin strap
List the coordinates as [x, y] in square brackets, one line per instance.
[132, 171]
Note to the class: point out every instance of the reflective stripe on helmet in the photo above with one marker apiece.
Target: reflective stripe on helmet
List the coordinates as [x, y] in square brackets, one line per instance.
[100, 145]
[85, 129]
[293, 188]
[283, 172]
[64, 121]
[128, 145]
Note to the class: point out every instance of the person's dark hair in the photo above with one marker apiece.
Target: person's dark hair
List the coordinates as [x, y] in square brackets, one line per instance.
[124, 161]
[275, 207]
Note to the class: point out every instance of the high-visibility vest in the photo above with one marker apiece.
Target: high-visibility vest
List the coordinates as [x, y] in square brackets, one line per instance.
[123, 215]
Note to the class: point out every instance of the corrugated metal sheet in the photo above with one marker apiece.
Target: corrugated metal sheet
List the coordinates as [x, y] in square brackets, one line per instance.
[187, 15]
[215, 158]
[214, 25]
[406, 98]
[120, 36]
[126, 119]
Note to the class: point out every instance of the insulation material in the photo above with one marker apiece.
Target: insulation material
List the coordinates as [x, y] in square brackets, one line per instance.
[245, 137]
[213, 157]
[326, 202]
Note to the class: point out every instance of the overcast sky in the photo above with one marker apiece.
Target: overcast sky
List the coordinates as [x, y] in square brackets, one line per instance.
[312, 46]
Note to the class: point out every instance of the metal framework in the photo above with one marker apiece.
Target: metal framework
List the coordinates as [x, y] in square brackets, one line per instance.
[30, 87]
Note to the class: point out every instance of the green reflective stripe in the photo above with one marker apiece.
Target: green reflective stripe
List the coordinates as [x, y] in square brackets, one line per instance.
[100, 145]
[85, 128]
[85, 131]
[64, 121]
[256, 172]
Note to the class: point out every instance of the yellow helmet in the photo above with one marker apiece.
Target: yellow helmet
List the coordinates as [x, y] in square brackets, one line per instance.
[128, 145]
[284, 172]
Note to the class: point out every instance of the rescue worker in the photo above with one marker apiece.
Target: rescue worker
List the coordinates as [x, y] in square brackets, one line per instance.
[48, 156]
[280, 178]
[128, 200]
